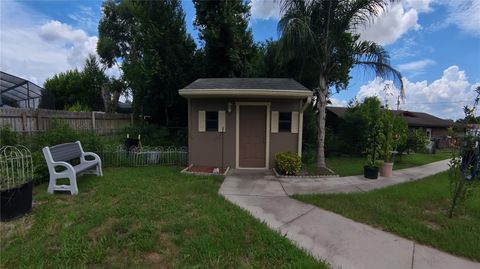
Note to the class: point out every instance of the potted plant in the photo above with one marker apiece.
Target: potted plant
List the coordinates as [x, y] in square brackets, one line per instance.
[394, 133]
[16, 175]
[370, 170]
[387, 144]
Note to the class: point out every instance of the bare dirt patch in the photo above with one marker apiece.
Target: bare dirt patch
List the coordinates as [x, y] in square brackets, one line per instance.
[205, 169]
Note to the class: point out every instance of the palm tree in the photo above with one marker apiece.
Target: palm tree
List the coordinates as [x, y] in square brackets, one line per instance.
[322, 34]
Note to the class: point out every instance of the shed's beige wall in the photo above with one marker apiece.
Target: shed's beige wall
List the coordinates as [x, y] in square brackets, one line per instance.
[283, 141]
[205, 148]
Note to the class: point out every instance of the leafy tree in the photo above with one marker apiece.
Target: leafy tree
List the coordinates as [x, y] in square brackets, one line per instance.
[464, 172]
[358, 123]
[394, 133]
[148, 39]
[321, 34]
[229, 47]
[76, 87]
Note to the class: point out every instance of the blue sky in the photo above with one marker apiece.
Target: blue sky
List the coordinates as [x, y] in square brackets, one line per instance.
[435, 43]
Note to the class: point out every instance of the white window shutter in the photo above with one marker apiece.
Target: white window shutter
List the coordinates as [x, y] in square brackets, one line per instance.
[274, 122]
[294, 122]
[221, 121]
[201, 120]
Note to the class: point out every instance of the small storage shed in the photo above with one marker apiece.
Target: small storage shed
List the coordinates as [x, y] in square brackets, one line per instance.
[244, 122]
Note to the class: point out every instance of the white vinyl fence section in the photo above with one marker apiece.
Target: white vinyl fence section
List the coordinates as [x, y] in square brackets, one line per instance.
[144, 156]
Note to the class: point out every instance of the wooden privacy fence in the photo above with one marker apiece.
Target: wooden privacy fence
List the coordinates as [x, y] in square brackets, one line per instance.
[118, 156]
[39, 120]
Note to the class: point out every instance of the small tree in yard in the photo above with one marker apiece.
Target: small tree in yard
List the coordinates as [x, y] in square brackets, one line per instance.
[465, 163]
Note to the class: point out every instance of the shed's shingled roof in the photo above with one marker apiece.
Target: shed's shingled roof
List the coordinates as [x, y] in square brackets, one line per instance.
[247, 83]
[413, 119]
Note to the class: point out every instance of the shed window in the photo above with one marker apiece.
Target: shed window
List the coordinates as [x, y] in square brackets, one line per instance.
[211, 121]
[284, 121]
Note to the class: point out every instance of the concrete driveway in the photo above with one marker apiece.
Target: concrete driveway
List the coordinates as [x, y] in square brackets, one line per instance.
[341, 242]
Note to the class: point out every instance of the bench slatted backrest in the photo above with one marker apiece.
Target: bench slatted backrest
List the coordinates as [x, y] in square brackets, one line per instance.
[65, 152]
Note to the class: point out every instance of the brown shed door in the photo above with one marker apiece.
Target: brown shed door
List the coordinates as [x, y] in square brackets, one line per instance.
[252, 136]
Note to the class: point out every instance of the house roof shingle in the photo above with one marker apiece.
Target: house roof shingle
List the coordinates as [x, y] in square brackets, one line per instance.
[413, 119]
[247, 83]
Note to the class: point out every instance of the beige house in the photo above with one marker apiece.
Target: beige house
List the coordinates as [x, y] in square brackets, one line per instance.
[244, 122]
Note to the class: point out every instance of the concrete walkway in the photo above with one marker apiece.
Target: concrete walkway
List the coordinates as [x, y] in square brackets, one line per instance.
[341, 242]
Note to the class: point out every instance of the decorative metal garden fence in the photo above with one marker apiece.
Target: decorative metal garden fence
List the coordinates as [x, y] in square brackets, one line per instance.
[16, 166]
[144, 156]
[16, 182]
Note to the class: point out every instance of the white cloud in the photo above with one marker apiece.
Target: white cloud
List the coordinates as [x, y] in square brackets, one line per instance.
[86, 18]
[338, 102]
[265, 9]
[465, 15]
[57, 31]
[444, 97]
[416, 66]
[391, 24]
[35, 47]
[419, 5]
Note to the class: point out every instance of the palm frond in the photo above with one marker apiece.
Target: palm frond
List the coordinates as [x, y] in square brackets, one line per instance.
[362, 12]
[374, 57]
[297, 39]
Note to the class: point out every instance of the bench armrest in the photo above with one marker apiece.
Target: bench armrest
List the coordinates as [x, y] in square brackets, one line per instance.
[64, 164]
[94, 155]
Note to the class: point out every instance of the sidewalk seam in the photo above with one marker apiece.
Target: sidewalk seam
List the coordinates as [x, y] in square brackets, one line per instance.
[284, 189]
[361, 190]
[297, 217]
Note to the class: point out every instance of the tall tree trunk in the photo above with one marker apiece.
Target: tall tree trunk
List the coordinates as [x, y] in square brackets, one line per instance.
[322, 107]
[105, 95]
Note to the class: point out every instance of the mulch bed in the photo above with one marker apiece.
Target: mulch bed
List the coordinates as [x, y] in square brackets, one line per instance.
[313, 173]
[318, 172]
[202, 169]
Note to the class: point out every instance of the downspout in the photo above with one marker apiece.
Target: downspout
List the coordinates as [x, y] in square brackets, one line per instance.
[300, 123]
[189, 129]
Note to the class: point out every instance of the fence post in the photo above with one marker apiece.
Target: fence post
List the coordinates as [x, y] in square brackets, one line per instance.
[37, 119]
[24, 121]
[93, 121]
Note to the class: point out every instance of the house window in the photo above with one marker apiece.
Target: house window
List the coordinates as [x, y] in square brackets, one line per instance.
[429, 133]
[211, 121]
[284, 121]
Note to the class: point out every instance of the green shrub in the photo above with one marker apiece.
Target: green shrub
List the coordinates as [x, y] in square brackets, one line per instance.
[77, 107]
[288, 163]
[8, 137]
[416, 141]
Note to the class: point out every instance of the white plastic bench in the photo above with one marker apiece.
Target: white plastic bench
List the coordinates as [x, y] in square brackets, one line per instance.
[59, 155]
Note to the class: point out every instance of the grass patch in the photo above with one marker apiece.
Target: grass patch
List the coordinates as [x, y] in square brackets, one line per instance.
[353, 165]
[151, 217]
[415, 210]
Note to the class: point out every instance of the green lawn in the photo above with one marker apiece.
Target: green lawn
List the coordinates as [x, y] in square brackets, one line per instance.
[353, 165]
[415, 210]
[152, 217]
